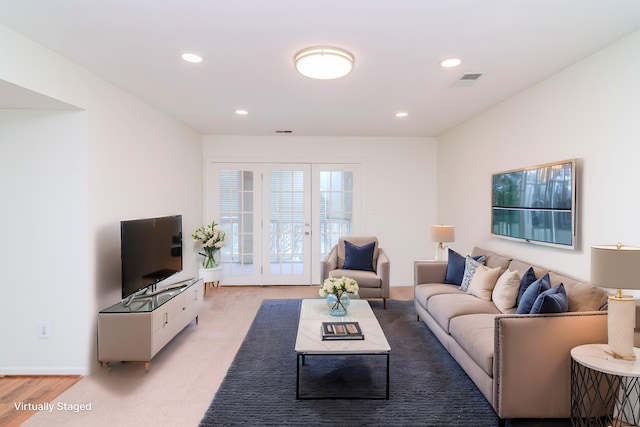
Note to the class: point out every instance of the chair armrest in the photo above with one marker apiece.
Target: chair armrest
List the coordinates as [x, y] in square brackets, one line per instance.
[383, 270]
[429, 272]
[329, 263]
[532, 361]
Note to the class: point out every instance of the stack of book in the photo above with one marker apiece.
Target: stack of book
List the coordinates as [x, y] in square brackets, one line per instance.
[341, 331]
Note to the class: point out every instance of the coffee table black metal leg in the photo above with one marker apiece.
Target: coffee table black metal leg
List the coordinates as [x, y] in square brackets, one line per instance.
[298, 375]
[387, 376]
[300, 357]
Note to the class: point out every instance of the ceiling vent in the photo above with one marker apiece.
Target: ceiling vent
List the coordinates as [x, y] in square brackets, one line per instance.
[284, 131]
[470, 76]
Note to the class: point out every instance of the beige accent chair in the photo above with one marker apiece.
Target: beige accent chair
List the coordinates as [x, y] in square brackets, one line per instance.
[372, 284]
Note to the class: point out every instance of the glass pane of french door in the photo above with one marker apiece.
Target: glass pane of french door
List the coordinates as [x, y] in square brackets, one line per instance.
[234, 194]
[286, 226]
[336, 208]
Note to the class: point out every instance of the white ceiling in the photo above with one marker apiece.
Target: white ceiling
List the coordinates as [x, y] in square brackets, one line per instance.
[248, 48]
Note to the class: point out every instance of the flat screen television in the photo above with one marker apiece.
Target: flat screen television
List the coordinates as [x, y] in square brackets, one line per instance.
[536, 204]
[151, 251]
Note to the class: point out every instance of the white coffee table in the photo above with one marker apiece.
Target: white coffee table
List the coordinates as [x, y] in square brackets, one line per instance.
[309, 338]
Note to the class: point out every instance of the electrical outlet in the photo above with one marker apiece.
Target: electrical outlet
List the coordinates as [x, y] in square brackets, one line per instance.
[44, 329]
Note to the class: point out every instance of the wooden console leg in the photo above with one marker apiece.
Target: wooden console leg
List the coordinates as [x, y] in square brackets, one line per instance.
[146, 366]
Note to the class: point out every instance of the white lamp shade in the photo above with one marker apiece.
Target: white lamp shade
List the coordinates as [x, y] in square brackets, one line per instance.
[442, 233]
[614, 266]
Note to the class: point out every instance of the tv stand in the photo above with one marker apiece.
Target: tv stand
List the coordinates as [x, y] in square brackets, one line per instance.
[137, 328]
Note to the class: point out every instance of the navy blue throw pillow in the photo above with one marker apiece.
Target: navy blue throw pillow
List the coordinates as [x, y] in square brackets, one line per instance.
[455, 267]
[552, 300]
[528, 278]
[358, 257]
[531, 294]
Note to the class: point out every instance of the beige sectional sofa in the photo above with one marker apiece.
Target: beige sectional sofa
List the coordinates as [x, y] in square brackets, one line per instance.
[520, 362]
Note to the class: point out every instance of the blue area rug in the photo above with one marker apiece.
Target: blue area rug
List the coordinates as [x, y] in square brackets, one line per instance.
[427, 387]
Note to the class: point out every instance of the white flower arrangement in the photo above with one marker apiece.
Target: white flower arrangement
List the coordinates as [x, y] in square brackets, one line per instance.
[338, 286]
[211, 237]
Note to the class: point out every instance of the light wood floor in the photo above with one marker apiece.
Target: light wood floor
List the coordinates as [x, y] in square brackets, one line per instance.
[17, 390]
[182, 378]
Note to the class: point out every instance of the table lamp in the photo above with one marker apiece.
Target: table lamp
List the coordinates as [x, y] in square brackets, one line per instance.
[616, 266]
[441, 234]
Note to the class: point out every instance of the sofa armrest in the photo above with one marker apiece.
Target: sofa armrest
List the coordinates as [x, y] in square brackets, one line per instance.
[383, 269]
[532, 361]
[429, 272]
[329, 263]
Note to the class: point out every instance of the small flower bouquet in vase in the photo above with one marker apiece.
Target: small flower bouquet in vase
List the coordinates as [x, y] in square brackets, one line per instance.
[337, 291]
[211, 239]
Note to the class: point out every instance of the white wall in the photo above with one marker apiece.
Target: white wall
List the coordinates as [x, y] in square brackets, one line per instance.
[44, 238]
[589, 111]
[399, 183]
[117, 159]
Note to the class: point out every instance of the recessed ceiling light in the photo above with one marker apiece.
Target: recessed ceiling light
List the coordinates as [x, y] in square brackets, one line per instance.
[242, 112]
[324, 63]
[192, 57]
[450, 62]
[402, 114]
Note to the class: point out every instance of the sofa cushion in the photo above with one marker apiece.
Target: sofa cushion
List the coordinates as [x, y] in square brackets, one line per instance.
[522, 267]
[358, 257]
[492, 260]
[422, 293]
[365, 279]
[552, 300]
[445, 307]
[470, 267]
[475, 333]
[532, 292]
[483, 282]
[505, 292]
[580, 295]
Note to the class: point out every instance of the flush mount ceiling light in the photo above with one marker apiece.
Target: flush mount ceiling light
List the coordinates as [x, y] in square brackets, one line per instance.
[324, 63]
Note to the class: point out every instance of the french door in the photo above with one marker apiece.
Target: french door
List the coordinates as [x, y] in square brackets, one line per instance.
[286, 225]
[280, 219]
